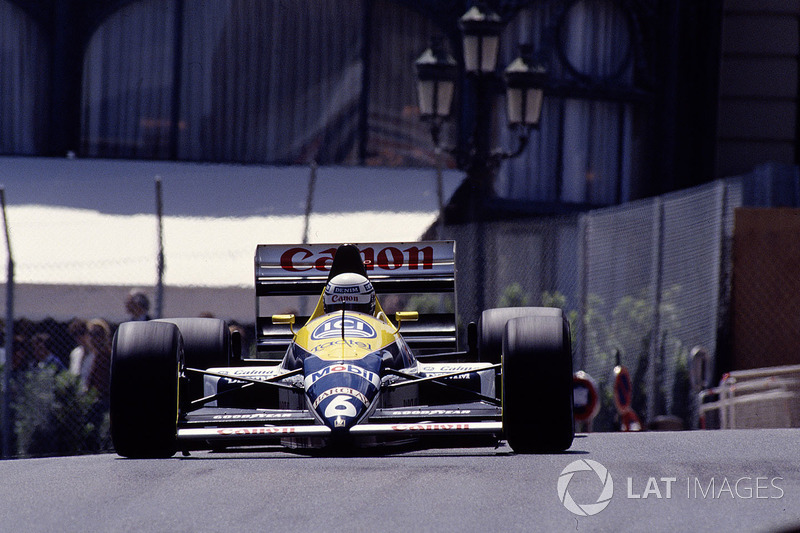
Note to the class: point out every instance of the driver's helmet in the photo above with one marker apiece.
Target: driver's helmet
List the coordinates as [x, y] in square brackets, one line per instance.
[349, 291]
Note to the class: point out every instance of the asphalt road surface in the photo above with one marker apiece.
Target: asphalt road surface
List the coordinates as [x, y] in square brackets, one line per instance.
[739, 480]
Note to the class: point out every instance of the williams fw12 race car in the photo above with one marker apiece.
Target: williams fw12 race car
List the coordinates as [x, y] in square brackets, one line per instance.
[344, 374]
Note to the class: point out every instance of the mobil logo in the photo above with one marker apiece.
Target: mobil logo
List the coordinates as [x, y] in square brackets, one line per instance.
[351, 325]
[300, 259]
[372, 377]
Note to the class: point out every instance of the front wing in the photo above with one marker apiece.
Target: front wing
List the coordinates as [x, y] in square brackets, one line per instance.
[218, 426]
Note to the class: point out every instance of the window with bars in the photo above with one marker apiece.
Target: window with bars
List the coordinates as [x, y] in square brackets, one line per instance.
[276, 82]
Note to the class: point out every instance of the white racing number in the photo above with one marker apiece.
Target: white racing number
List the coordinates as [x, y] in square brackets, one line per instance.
[340, 406]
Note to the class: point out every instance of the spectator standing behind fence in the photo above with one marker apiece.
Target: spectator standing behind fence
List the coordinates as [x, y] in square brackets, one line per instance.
[100, 344]
[94, 359]
[137, 305]
[22, 358]
[43, 354]
[77, 330]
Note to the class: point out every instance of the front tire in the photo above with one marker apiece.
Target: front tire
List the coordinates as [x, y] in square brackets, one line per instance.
[492, 327]
[537, 384]
[145, 365]
[206, 344]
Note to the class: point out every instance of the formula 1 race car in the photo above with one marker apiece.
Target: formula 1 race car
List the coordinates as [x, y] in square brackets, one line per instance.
[349, 376]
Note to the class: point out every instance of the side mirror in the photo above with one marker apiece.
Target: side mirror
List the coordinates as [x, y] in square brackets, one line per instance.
[284, 319]
[405, 316]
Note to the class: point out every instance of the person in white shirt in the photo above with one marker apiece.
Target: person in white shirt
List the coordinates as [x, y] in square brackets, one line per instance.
[77, 329]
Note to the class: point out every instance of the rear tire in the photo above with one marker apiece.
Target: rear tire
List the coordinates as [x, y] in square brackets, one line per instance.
[492, 327]
[537, 384]
[145, 365]
[206, 344]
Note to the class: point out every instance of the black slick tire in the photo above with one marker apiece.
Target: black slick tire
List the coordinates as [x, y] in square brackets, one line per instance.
[537, 384]
[492, 327]
[145, 365]
[206, 344]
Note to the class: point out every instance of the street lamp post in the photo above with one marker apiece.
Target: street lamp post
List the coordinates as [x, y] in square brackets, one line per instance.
[436, 79]
[524, 85]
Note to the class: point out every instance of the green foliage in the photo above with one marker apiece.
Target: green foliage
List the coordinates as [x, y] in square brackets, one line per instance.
[429, 303]
[628, 327]
[558, 300]
[554, 299]
[514, 296]
[54, 416]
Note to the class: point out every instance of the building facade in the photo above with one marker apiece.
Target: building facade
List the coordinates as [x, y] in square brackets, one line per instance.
[643, 96]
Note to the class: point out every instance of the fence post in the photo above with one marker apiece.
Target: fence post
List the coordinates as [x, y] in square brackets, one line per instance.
[9, 340]
[583, 287]
[312, 182]
[721, 260]
[656, 363]
[161, 266]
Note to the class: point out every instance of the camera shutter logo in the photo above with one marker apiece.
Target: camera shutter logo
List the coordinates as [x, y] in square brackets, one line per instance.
[585, 509]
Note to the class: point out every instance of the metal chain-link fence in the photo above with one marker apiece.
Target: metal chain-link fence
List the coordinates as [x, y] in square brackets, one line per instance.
[643, 284]
[58, 386]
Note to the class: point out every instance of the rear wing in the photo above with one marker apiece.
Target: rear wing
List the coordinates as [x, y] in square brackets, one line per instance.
[424, 268]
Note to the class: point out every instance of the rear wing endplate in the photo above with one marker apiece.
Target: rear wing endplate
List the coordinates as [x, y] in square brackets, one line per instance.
[426, 267]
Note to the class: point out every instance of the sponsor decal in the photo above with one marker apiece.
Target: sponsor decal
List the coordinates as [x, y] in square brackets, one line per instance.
[452, 378]
[438, 369]
[340, 390]
[350, 290]
[372, 377]
[347, 342]
[429, 427]
[299, 259]
[250, 372]
[353, 327]
[259, 374]
[429, 412]
[255, 431]
[252, 416]
[347, 298]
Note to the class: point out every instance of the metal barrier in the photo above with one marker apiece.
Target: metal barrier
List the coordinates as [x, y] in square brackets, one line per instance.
[650, 279]
[759, 398]
[643, 279]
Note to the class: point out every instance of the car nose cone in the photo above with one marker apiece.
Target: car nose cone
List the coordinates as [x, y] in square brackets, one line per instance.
[340, 393]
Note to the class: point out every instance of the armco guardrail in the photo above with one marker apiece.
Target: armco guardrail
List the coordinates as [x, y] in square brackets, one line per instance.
[758, 398]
